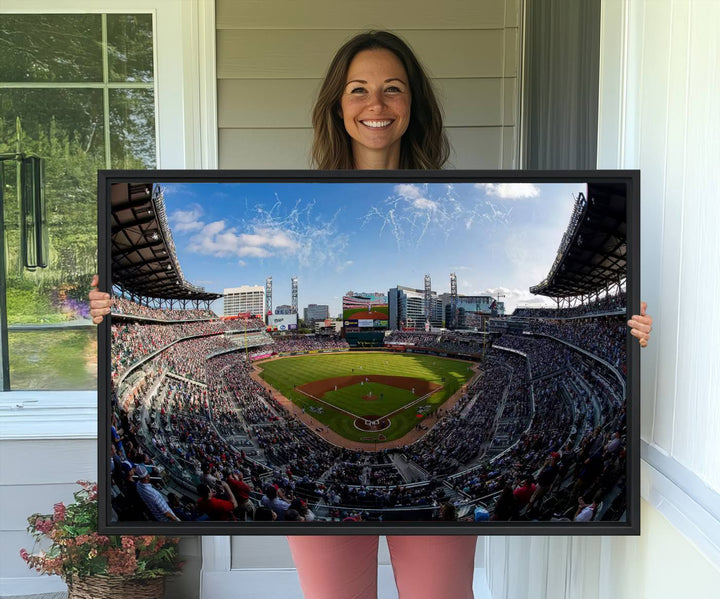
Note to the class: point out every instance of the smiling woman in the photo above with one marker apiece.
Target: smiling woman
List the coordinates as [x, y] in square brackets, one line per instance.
[375, 108]
[363, 118]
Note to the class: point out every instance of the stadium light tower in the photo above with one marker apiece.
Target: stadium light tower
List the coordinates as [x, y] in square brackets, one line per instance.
[268, 297]
[428, 301]
[294, 281]
[453, 301]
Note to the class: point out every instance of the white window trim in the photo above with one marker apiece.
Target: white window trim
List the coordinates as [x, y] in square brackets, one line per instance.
[186, 130]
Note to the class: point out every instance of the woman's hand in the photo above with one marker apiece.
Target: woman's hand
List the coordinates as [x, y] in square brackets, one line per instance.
[641, 325]
[99, 302]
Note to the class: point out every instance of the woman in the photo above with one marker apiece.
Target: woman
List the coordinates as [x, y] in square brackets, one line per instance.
[362, 118]
[377, 110]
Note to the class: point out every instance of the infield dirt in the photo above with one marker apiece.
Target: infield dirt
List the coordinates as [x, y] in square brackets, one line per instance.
[321, 430]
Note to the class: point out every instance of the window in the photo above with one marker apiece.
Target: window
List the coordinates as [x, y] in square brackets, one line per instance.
[77, 90]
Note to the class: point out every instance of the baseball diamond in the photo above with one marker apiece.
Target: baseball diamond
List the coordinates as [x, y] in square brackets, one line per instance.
[367, 393]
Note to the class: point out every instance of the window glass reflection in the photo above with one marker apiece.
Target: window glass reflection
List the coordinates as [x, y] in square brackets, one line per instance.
[52, 343]
[37, 48]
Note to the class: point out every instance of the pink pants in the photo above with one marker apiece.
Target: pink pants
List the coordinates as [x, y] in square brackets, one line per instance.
[345, 567]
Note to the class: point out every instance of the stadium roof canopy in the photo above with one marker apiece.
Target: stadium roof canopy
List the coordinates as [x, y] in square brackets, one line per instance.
[144, 262]
[592, 254]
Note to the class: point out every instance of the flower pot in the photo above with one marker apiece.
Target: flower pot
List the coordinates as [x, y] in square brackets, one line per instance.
[116, 587]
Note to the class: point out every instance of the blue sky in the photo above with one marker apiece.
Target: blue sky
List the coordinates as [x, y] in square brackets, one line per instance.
[338, 237]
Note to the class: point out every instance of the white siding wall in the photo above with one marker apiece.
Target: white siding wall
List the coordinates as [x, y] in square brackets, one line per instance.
[271, 57]
[37, 472]
[47, 444]
[659, 90]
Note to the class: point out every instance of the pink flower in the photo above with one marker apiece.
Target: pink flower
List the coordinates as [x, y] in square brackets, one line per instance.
[121, 562]
[59, 512]
[43, 526]
[53, 565]
[69, 554]
[128, 543]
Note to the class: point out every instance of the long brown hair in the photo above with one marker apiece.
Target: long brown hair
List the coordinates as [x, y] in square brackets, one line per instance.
[424, 144]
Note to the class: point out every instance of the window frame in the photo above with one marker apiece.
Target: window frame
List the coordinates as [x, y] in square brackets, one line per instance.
[186, 137]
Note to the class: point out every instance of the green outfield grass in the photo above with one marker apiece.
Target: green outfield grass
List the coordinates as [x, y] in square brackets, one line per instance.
[351, 399]
[287, 373]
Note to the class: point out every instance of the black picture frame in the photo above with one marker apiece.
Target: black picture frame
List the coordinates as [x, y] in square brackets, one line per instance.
[625, 182]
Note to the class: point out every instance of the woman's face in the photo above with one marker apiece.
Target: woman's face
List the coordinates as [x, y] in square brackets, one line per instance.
[375, 107]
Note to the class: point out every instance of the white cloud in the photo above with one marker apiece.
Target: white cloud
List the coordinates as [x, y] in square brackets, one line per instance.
[425, 204]
[214, 239]
[413, 211]
[266, 236]
[516, 297]
[296, 234]
[415, 195]
[182, 221]
[510, 191]
[213, 228]
[253, 252]
[409, 191]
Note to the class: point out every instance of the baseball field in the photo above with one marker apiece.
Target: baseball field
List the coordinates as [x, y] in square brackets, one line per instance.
[367, 397]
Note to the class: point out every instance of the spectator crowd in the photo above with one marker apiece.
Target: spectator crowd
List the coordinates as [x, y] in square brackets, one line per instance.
[539, 434]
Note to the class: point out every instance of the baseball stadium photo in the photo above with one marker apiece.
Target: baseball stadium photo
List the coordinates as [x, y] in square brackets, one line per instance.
[350, 354]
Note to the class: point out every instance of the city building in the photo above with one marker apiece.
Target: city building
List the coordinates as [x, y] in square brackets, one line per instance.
[244, 299]
[315, 312]
[471, 310]
[406, 308]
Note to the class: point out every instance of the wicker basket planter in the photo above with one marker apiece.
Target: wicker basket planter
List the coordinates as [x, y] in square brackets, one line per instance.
[70, 546]
[116, 587]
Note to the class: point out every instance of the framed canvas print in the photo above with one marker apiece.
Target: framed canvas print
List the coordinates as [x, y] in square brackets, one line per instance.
[369, 352]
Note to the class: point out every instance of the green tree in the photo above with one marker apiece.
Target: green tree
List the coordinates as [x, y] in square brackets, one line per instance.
[66, 127]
